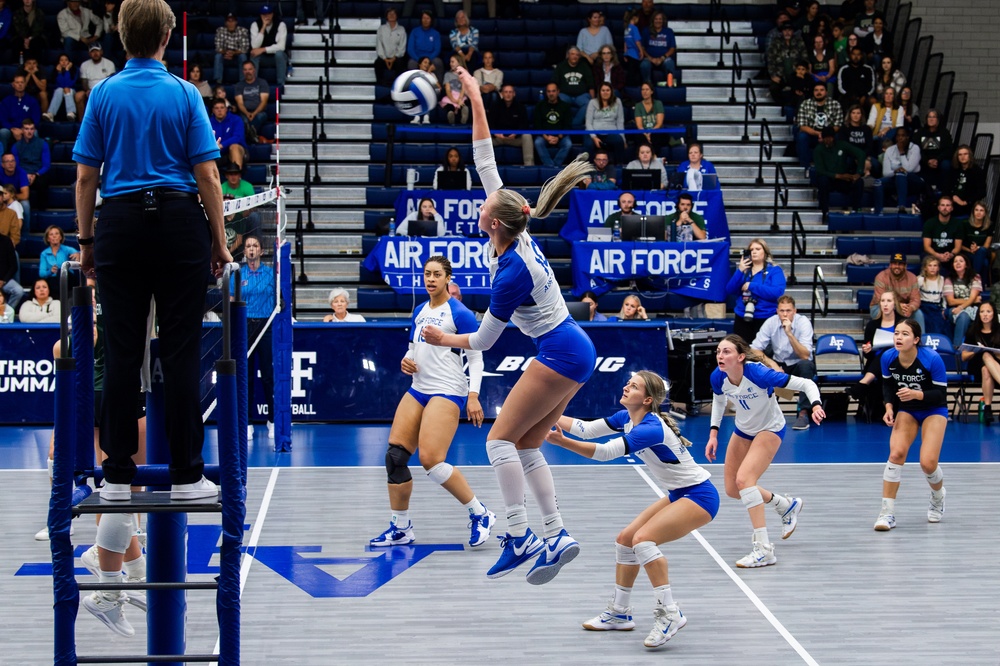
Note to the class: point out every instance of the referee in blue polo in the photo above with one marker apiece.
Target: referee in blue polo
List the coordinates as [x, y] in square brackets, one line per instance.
[150, 131]
[258, 292]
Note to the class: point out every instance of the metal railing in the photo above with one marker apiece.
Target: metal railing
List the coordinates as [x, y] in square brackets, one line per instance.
[725, 36]
[714, 7]
[737, 71]
[299, 249]
[820, 296]
[780, 193]
[766, 149]
[749, 109]
[798, 244]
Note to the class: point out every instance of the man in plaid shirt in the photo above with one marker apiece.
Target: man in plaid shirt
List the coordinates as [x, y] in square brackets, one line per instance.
[232, 42]
[814, 114]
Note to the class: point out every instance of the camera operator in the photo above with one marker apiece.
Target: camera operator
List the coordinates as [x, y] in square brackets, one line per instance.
[758, 283]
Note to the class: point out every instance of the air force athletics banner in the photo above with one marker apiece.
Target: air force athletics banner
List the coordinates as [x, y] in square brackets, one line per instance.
[400, 259]
[589, 208]
[696, 269]
[459, 208]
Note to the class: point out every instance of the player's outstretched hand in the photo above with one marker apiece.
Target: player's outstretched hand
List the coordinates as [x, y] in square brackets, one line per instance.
[469, 85]
[818, 414]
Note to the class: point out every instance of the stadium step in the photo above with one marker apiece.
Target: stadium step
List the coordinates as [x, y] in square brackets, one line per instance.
[845, 324]
[329, 269]
[781, 243]
[811, 219]
[733, 131]
[305, 92]
[701, 112]
[752, 60]
[326, 151]
[334, 219]
[312, 297]
[338, 110]
[329, 195]
[312, 73]
[363, 55]
[328, 173]
[331, 244]
[765, 194]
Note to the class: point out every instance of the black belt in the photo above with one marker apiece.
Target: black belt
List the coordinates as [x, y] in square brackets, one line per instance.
[150, 198]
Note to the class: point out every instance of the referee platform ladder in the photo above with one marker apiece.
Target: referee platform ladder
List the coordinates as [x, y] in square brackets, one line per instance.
[73, 465]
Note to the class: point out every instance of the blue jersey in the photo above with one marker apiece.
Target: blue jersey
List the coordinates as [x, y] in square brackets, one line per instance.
[651, 440]
[753, 399]
[439, 369]
[524, 289]
[927, 373]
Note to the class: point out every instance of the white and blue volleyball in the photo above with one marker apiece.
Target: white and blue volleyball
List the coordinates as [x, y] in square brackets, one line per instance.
[413, 92]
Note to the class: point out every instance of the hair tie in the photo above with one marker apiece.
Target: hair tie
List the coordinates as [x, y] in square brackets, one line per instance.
[526, 209]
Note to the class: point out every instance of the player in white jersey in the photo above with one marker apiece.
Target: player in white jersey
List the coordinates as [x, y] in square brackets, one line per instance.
[524, 291]
[745, 381]
[692, 501]
[427, 415]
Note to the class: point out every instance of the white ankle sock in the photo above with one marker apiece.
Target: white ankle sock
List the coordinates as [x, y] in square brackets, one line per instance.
[623, 596]
[779, 503]
[401, 518]
[888, 505]
[475, 507]
[552, 525]
[136, 568]
[760, 536]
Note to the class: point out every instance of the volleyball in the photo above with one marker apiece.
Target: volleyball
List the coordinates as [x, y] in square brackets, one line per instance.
[413, 92]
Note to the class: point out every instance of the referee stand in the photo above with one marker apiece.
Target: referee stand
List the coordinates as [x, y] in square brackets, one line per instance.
[73, 465]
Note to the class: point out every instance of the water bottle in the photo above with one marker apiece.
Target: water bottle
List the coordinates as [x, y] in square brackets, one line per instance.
[392, 226]
[616, 231]
[982, 411]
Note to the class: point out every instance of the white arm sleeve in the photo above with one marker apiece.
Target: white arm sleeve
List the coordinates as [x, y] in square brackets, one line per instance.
[488, 333]
[476, 367]
[802, 384]
[610, 450]
[591, 429]
[486, 166]
[718, 409]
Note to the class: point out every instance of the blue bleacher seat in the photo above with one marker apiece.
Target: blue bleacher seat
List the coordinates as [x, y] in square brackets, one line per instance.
[260, 152]
[29, 273]
[61, 151]
[911, 223]
[62, 197]
[849, 246]
[256, 174]
[59, 131]
[841, 222]
[863, 274]
[881, 222]
[42, 219]
[864, 297]
[376, 298]
[62, 174]
[31, 247]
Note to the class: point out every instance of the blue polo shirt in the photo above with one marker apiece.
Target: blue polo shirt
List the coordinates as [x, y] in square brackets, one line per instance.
[148, 128]
[257, 290]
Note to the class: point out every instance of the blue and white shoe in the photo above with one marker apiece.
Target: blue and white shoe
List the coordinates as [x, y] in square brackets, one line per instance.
[481, 526]
[515, 551]
[612, 619]
[790, 518]
[762, 555]
[667, 621]
[559, 550]
[394, 536]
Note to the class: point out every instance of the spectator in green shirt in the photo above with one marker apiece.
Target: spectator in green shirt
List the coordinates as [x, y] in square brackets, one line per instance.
[943, 236]
[238, 225]
[689, 224]
[839, 166]
[626, 206]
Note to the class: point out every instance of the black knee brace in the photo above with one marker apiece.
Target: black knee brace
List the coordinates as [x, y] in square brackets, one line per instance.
[396, 459]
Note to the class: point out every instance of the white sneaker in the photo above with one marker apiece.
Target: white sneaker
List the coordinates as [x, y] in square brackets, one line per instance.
[762, 555]
[667, 621]
[48, 116]
[89, 559]
[612, 619]
[43, 534]
[136, 597]
[118, 492]
[415, 121]
[885, 522]
[935, 510]
[790, 518]
[71, 117]
[200, 489]
[427, 119]
[270, 429]
[108, 609]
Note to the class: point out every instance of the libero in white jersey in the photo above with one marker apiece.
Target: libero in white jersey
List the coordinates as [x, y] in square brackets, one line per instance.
[524, 291]
[741, 379]
[428, 414]
[692, 500]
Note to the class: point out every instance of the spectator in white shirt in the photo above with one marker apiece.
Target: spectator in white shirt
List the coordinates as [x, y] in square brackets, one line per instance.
[900, 170]
[92, 72]
[787, 339]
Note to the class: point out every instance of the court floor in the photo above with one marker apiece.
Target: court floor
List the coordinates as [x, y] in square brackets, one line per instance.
[316, 594]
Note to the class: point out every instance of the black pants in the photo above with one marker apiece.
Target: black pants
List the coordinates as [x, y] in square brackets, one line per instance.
[260, 359]
[854, 189]
[176, 274]
[747, 329]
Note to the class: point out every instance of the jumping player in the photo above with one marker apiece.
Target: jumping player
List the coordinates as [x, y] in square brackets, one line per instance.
[427, 415]
[692, 501]
[915, 391]
[743, 380]
[525, 292]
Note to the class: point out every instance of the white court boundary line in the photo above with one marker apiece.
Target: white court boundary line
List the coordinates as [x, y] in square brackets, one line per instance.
[787, 635]
[258, 527]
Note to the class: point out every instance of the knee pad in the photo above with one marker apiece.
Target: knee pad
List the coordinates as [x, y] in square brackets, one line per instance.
[440, 473]
[751, 497]
[501, 452]
[935, 477]
[893, 473]
[531, 459]
[396, 459]
[625, 555]
[115, 532]
[646, 552]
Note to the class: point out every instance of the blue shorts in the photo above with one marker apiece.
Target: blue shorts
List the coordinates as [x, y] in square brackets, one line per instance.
[779, 433]
[921, 414]
[567, 350]
[704, 495]
[424, 398]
